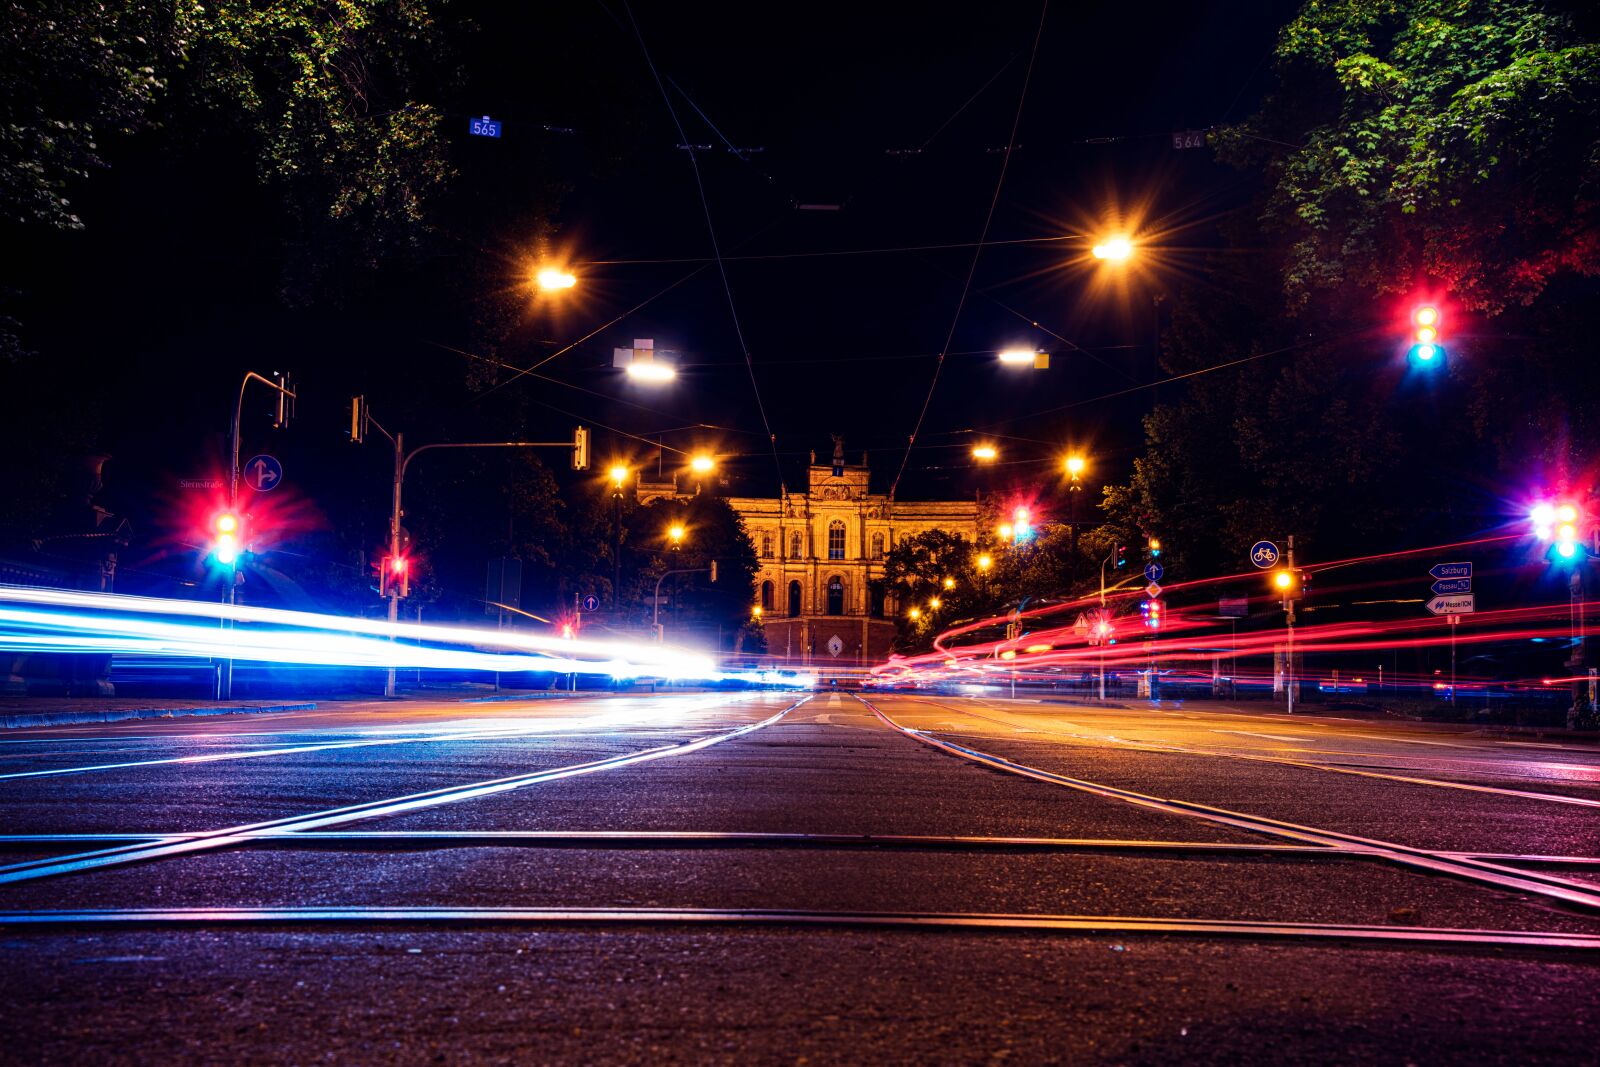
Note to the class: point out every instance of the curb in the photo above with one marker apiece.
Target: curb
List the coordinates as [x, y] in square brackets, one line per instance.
[67, 718]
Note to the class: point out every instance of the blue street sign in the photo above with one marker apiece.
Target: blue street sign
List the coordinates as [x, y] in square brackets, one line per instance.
[1450, 570]
[1153, 572]
[1263, 554]
[591, 603]
[262, 473]
[485, 127]
[1447, 586]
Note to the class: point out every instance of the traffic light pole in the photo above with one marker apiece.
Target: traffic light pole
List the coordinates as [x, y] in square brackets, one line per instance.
[655, 609]
[1288, 612]
[225, 677]
[402, 461]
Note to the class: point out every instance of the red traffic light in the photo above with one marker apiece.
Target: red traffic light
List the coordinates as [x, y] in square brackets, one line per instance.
[394, 576]
[225, 538]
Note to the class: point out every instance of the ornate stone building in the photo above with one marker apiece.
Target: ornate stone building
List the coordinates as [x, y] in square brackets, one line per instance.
[820, 553]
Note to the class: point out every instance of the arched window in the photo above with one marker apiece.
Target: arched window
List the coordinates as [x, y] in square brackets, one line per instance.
[835, 592]
[836, 540]
[879, 595]
[766, 544]
[794, 599]
[794, 545]
[766, 596]
[877, 546]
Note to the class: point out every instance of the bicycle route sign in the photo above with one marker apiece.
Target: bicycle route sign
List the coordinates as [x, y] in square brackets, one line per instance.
[1263, 554]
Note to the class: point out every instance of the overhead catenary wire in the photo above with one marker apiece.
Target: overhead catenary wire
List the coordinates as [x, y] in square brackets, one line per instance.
[716, 248]
[1011, 140]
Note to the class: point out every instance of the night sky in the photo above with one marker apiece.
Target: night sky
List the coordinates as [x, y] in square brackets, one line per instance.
[176, 287]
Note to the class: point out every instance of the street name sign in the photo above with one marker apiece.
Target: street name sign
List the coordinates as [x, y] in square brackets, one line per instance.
[1263, 554]
[263, 473]
[1452, 605]
[1450, 570]
[1452, 585]
[1153, 572]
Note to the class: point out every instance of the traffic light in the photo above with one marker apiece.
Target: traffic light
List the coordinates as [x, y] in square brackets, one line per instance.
[1021, 525]
[394, 577]
[1426, 350]
[1122, 555]
[358, 419]
[227, 535]
[1155, 547]
[1561, 525]
[713, 570]
[580, 449]
[1286, 584]
[1152, 611]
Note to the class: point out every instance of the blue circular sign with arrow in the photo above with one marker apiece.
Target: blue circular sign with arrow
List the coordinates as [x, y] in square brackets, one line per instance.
[263, 473]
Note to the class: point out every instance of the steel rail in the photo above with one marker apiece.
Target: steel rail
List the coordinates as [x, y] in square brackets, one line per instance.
[232, 836]
[690, 917]
[1189, 750]
[1573, 893]
[626, 840]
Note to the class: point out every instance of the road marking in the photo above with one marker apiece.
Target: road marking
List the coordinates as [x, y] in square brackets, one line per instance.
[46, 868]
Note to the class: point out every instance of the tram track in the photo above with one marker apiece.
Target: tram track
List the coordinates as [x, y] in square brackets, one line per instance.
[177, 845]
[1572, 893]
[1190, 750]
[986, 922]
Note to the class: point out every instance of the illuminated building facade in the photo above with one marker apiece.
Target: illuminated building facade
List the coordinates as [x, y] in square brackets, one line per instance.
[821, 551]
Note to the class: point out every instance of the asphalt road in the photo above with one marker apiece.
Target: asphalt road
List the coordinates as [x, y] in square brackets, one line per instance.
[732, 878]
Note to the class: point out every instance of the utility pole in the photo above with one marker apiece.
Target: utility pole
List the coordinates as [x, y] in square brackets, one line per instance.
[362, 420]
[286, 397]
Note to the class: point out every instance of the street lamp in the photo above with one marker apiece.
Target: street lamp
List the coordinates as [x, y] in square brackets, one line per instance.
[756, 611]
[915, 613]
[651, 371]
[675, 535]
[619, 476]
[985, 453]
[949, 583]
[1074, 465]
[933, 602]
[1116, 248]
[1017, 357]
[554, 279]
[985, 561]
[701, 463]
[1005, 531]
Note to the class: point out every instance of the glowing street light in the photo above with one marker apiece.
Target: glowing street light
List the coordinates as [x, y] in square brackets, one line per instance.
[949, 583]
[649, 370]
[985, 453]
[675, 534]
[702, 463]
[553, 279]
[915, 613]
[1005, 531]
[933, 602]
[985, 561]
[1017, 357]
[1074, 466]
[1116, 249]
[756, 611]
[619, 476]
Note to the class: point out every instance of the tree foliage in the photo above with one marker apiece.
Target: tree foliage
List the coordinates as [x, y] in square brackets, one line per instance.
[328, 94]
[1457, 140]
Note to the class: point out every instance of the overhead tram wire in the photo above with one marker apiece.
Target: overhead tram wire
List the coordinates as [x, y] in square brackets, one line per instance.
[889, 250]
[977, 252]
[716, 247]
